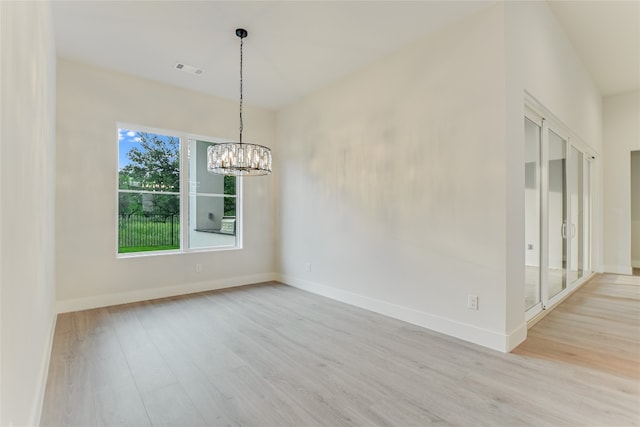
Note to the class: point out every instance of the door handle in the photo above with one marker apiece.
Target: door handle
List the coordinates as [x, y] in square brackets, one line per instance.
[563, 230]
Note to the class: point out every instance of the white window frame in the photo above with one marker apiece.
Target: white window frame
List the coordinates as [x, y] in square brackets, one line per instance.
[184, 193]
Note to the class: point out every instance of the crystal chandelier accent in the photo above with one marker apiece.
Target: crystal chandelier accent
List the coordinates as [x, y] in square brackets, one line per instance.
[237, 158]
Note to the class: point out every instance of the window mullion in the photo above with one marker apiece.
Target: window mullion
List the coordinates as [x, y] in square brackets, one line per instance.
[184, 190]
[174, 193]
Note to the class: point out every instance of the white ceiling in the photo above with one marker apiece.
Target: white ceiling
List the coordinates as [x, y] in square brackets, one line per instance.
[297, 47]
[606, 35]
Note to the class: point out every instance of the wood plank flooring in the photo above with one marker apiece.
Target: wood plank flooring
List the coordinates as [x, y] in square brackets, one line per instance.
[272, 355]
[597, 327]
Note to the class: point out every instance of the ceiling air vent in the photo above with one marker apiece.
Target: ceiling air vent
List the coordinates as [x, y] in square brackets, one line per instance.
[189, 68]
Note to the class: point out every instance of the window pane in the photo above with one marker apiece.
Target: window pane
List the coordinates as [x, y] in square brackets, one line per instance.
[230, 185]
[212, 216]
[150, 198]
[575, 225]
[532, 213]
[212, 221]
[148, 222]
[148, 161]
[230, 207]
[200, 179]
[557, 213]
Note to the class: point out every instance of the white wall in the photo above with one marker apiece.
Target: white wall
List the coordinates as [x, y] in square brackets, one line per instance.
[393, 184]
[402, 185]
[621, 136]
[90, 103]
[27, 153]
[540, 60]
[635, 209]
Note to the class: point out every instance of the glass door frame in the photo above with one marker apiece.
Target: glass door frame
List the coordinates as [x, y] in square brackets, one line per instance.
[549, 300]
[587, 206]
[546, 125]
[542, 183]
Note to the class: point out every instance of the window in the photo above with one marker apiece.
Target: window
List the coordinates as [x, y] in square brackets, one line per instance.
[167, 200]
[212, 202]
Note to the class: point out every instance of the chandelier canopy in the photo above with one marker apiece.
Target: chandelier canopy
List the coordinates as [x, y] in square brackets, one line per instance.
[237, 158]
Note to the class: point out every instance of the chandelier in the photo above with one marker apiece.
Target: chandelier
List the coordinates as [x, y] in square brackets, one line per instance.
[237, 158]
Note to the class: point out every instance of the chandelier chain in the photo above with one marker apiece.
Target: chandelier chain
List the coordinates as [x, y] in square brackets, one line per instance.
[241, 124]
[236, 158]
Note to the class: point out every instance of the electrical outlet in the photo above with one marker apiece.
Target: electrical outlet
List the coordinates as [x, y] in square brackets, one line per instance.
[530, 246]
[198, 268]
[472, 302]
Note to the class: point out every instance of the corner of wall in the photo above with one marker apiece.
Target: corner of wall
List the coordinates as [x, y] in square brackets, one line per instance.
[27, 113]
[617, 269]
[106, 300]
[43, 374]
[516, 337]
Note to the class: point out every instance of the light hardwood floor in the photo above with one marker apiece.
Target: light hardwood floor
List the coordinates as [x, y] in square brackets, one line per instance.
[272, 355]
[597, 327]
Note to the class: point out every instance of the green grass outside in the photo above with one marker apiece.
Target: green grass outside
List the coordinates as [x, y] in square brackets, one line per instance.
[142, 234]
[130, 249]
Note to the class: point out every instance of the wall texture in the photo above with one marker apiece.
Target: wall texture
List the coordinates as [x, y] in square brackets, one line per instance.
[27, 162]
[91, 101]
[402, 186]
[621, 137]
[393, 184]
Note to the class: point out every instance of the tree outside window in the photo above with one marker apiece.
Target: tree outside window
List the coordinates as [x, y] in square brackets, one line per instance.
[150, 213]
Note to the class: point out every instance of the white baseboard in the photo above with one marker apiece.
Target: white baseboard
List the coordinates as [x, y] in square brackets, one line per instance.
[107, 300]
[516, 337]
[466, 332]
[36, 410]
[617, 269]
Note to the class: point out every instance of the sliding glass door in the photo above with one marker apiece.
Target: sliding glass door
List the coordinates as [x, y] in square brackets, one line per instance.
[557, 214]
[586, 214]
[556, 267]
[532, 169]
[576, 225]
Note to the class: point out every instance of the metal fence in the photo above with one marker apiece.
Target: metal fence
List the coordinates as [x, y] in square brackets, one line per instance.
[148, 230]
